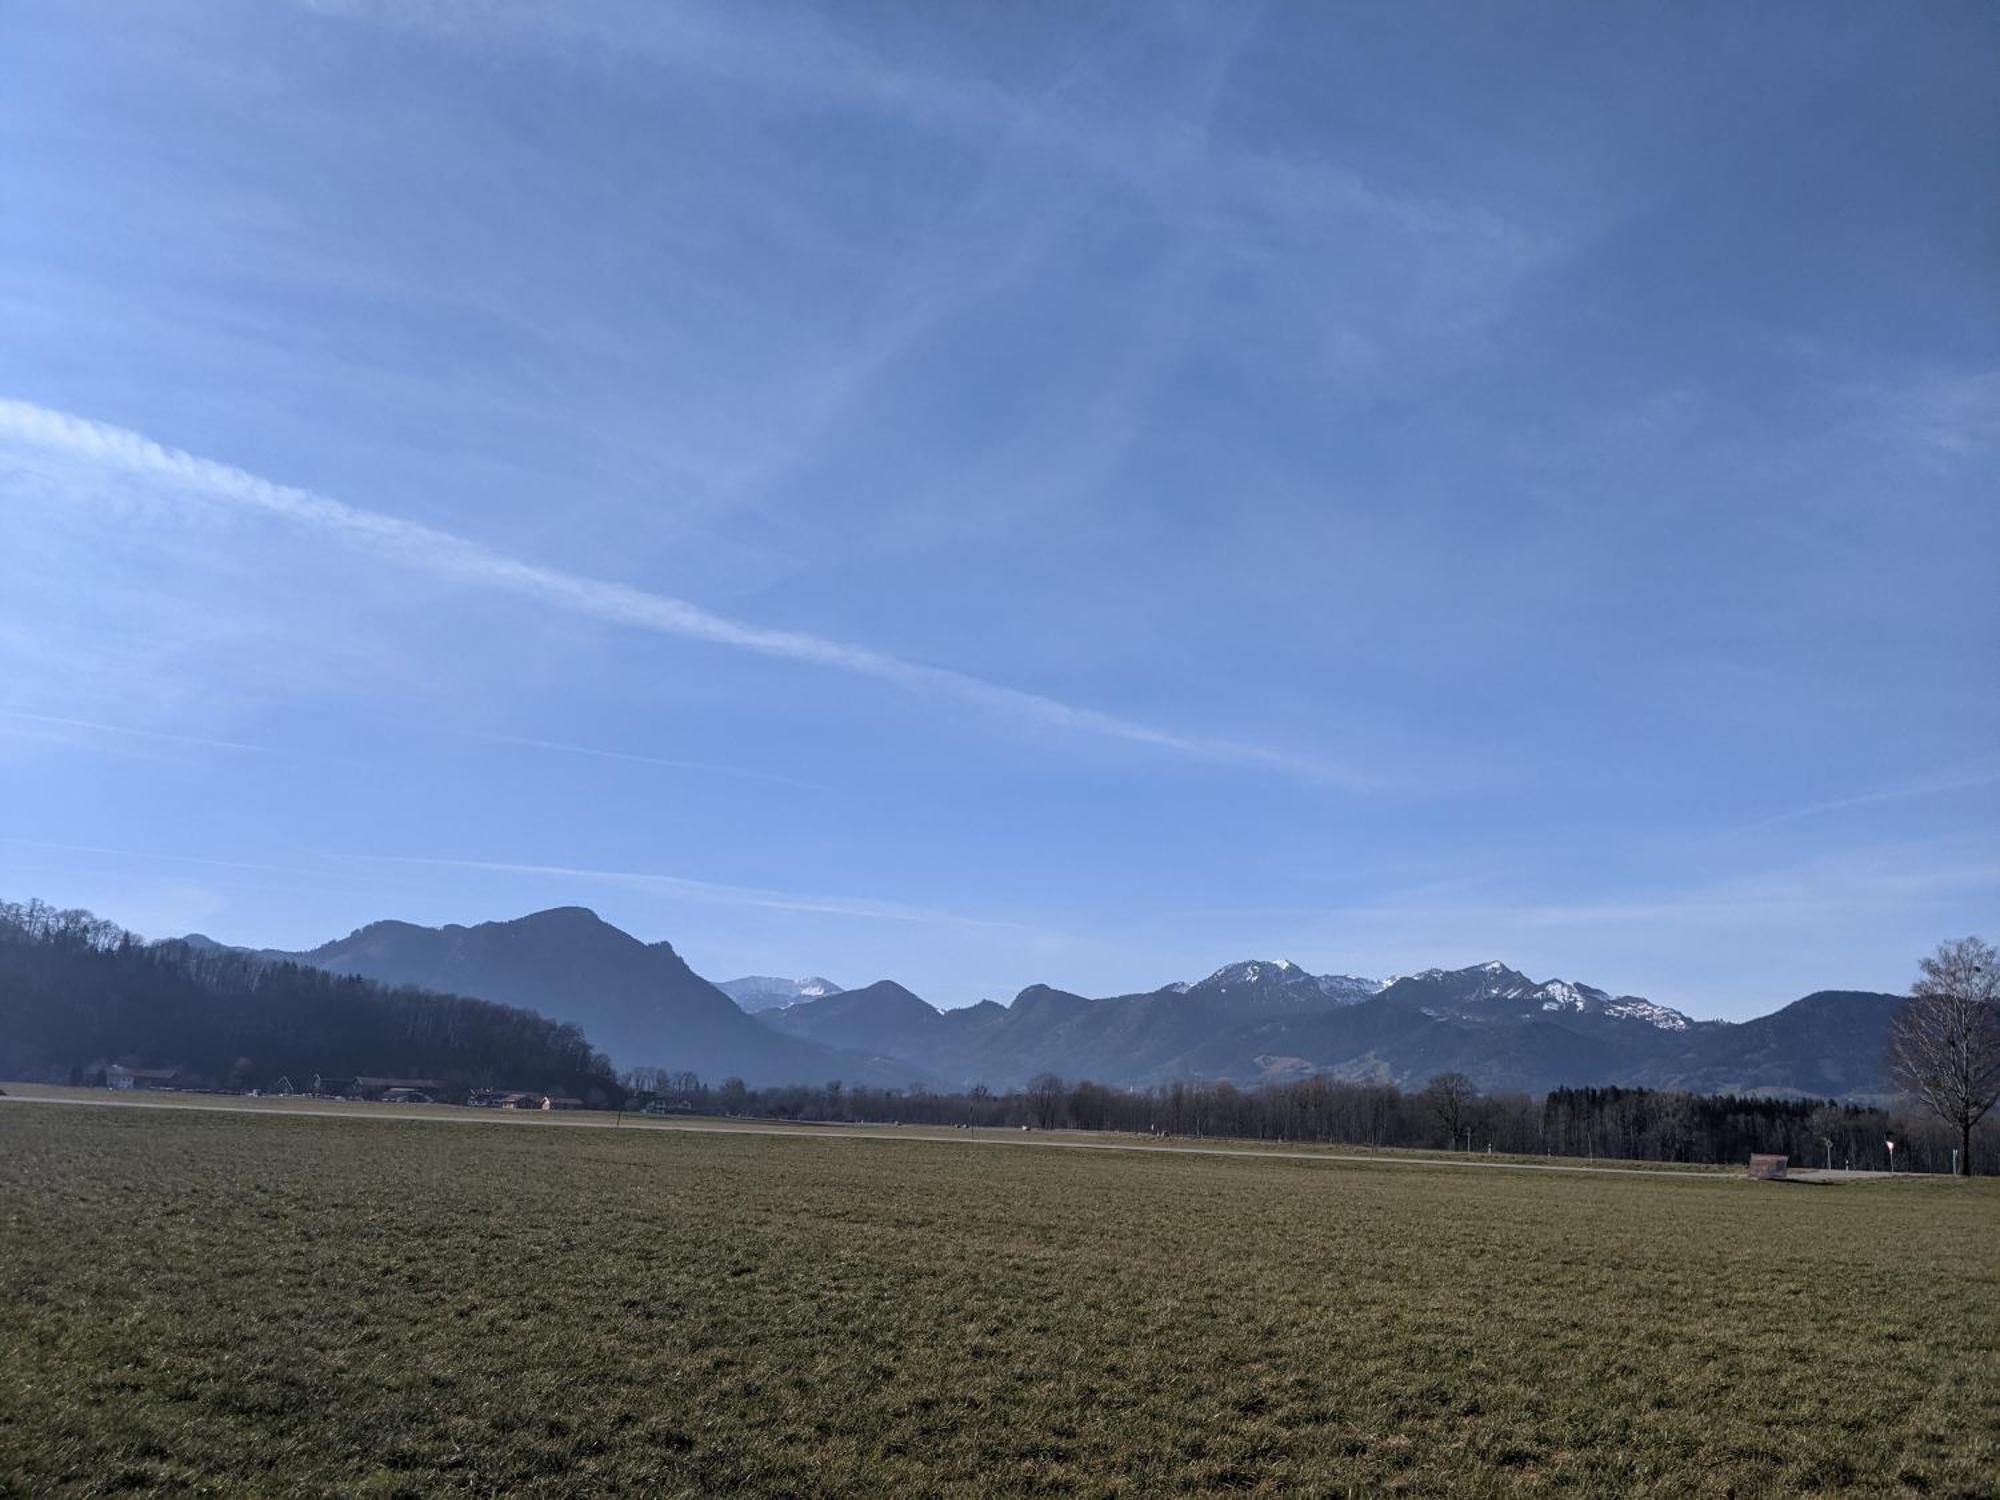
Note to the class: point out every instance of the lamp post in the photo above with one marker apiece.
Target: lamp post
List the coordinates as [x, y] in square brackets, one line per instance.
[1891, 1142]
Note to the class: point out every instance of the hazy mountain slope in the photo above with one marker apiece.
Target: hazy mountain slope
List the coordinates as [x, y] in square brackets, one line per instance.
[1393, 1041]
[755, 992]
[1831, 1043]
[638, 1002]
[1120, 1040]
[881, 1018]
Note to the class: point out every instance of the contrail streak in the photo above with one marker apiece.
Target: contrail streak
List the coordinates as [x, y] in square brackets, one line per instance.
[446, 555]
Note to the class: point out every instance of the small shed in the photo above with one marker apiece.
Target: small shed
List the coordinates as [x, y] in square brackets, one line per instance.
[1769, 1168]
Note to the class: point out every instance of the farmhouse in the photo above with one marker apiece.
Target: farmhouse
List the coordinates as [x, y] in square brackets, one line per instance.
[504, 1099]
[402, 1088]
[117, 1076]
[521, 1099]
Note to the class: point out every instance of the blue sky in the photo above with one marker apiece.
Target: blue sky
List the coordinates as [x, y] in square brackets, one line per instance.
[991, 494]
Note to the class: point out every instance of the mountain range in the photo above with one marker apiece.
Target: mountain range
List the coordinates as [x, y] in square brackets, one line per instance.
[1252, 1022]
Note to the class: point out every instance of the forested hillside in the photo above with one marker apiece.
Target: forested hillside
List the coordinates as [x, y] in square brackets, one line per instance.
[77, 993]
[640, 1002]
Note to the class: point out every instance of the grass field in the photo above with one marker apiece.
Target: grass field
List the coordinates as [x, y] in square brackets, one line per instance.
[263, 1304]
[297, 1104]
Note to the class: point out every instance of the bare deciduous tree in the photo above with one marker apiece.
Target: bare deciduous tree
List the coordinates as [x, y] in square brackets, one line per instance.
[1944, 1045]
[1451, 1096]
[1046, 1097]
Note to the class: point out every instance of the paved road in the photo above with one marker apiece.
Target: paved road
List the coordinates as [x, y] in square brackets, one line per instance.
[447, 1116]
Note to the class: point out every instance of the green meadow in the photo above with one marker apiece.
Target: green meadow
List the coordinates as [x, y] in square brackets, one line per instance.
[259, 1304]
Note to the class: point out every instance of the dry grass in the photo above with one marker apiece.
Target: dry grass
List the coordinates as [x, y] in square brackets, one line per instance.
[271, 1305]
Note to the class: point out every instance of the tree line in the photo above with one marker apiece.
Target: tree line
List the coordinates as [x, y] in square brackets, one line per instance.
[1446, 1114]
[78, 994]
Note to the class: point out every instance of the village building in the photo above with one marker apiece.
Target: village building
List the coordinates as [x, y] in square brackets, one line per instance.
[117, 1076]
[425, 1089]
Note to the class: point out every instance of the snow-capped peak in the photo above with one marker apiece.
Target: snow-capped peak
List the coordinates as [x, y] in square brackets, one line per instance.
[1280, 981]
[1251, 971]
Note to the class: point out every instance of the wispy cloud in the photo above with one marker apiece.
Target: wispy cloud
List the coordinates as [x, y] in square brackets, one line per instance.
[1445, 266]
[160, 856]
[1852, 881]
[680, 886]
[461, 560]
[1815, 906]
[1869, 799]
[634, 758]
[1953, 416]
[129, 732]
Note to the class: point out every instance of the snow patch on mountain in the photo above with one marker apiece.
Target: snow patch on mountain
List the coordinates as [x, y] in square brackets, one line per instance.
[1490, 982]
[1349, 989]
[1560, 994]
[1281, 980]
[755, 992]
[1631, 1007]
[1251, 971]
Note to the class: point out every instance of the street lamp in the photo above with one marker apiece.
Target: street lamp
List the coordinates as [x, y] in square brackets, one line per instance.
[1891, 1142]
